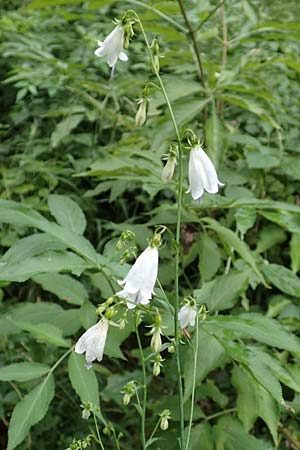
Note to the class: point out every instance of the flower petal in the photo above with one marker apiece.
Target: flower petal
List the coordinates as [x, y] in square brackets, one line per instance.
[123, 56]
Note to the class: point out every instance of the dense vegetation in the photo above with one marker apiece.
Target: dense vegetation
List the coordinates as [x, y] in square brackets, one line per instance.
[73, 162]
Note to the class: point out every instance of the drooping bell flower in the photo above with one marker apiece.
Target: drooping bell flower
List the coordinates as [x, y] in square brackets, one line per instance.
[92, 342]
[140, 280]
[187, 315]
[112, 47]
[202, 174]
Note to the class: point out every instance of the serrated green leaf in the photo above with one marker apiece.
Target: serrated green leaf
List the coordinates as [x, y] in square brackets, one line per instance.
[295, 252]
[49, 262]
[30, 410]
[284, 279]
[211, 354]
[67, 213]
[233, 241]
[224, 291]
[23, 371]
[83, 380]
[209, 257]
[255, 326]
[45, 332]
[230, 435]
[63, 286]
[201, 437]
[245, 219]
[30, 246]
[254, 401]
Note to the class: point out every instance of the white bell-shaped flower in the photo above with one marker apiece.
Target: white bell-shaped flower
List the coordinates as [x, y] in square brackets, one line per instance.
[140, 280]
[187, 315]
[112, 47]
[92, 342]
[202, 174]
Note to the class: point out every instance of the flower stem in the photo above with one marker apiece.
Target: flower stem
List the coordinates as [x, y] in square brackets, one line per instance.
[98, 432]
[143, 406]
[178, 228]
[193, 386]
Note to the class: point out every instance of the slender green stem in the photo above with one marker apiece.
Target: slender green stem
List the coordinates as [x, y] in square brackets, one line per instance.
[197, 52]
[116, 439]
[144, 404]
[178, 228]
[155, 429]
[98, 432]
[221, 413]
[193, 385]
[208, 17]
[159, 13]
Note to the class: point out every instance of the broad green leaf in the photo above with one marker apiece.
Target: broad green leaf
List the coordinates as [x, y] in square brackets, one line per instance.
[34, 313]
[211, 354]
[277, 367]
[67, 213]
[64, 128]
[285, 219]
[284, 279]
[83, 380]
[269, 236]
[224, 291]
[252, 106]
[49, 262]
[23, 371]
[115, 337]
[245, 219]
[201, 437]
[45, 332]
[255, 326]
[30, 246]
[230, 435]
[21, 215]
[209, 257]
[63, 286]
[30, 410]
[87, 314]
[295, 252]
[233, 241]
[254, 401]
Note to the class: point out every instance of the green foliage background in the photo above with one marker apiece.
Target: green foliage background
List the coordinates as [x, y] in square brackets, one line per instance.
[76, 172]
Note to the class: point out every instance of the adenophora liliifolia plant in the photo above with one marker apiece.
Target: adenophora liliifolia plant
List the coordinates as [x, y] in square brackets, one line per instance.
[138, 285]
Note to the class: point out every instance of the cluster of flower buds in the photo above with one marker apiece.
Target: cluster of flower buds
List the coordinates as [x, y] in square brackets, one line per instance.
[80, 444]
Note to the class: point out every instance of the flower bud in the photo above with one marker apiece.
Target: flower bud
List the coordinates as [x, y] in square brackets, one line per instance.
[156, 369]
[168, 170]
[165, 416]
[155, 54]
[157, 365]
[126, 399]
[171, 348]
[141, 114]
[164, 423]
[156, 342]
[128, 391]
[85, 414]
